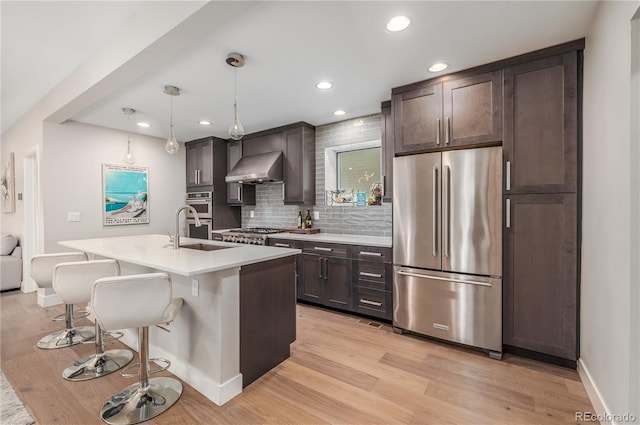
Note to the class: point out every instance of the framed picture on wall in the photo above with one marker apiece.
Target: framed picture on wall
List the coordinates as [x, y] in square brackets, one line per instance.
[8, 185]
[125, 194]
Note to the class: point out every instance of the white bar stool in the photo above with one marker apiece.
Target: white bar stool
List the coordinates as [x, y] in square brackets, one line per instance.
[138, 301]
[42, 274]
[74, 283]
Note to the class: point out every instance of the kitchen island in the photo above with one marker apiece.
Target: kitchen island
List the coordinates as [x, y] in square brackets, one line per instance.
[238, 316]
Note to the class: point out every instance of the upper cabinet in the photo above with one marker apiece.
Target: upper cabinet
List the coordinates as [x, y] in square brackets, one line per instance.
[200, 165]
[450, 113]
[541, 126]
[299, 165]
[388, 150]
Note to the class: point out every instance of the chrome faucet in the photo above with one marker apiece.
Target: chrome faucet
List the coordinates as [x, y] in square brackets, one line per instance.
[175, 238]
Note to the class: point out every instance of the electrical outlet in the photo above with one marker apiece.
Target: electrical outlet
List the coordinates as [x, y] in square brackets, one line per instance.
[316, 215]
[73, 216]
[252, 213]
[195, 287]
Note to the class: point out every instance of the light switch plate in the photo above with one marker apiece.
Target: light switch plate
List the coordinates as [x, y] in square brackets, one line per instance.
[73, 216]
[195, 287]
[252, 213]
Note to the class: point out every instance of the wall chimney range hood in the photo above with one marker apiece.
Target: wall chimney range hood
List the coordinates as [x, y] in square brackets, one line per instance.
[259, 168]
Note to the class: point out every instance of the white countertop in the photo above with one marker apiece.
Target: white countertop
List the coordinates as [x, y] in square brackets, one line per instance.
[382, 241]
[155, 251]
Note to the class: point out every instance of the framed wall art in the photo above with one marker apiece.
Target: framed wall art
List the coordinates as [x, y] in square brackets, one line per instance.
[125, 194]
[8, 186]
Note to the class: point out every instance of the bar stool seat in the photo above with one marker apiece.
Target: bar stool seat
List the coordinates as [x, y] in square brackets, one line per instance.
[42, 267]
[138, 301]
[73, 281]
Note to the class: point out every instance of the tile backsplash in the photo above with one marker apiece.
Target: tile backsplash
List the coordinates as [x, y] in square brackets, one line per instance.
[270, 211]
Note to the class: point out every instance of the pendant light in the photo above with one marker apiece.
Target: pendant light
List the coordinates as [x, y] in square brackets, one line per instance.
[236, 131]
[172, 146]
[128, 157]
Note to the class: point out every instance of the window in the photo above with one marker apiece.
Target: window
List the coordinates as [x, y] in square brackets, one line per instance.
[358, 169]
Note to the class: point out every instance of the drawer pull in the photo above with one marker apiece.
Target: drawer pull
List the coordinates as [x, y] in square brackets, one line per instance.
[319, 248]
[373, 254]
[375, 303]
[370, 274]
[282, 245]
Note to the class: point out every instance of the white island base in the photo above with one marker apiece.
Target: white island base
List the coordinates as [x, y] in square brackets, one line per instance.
[204, 343]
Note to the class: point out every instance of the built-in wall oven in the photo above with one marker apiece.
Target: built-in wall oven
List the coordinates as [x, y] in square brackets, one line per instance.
[202, 202]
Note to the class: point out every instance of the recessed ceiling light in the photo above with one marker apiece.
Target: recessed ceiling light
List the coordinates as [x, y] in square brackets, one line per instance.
[398, 23]
[324, 85]
[204, 122]
[339, 112]
[143, 124]
[437, 67]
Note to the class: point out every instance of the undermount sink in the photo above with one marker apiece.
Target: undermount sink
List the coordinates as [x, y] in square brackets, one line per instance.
[204, 247]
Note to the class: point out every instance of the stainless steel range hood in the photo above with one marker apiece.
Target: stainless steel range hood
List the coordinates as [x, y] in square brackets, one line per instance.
[260, 168]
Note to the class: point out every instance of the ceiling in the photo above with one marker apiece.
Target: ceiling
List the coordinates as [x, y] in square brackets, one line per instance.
[288, 46]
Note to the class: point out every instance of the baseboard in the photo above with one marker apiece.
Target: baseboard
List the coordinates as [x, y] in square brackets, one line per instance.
[602, 411]
[48, 298]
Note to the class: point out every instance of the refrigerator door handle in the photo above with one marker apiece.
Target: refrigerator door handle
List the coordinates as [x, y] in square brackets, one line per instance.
[434, 251]
[423, 276]
[446, 210]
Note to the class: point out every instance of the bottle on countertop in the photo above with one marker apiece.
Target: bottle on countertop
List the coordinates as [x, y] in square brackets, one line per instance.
[308, 219]
[299, 219]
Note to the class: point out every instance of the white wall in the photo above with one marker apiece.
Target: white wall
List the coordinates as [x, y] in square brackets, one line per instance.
[607, 330]
[72, 159]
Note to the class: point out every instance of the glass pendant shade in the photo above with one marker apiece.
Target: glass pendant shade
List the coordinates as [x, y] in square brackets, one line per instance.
[172, 146]
[128, 157]
[236, 131]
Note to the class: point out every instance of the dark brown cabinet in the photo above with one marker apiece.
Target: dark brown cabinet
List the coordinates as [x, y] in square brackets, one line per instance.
[199, 164]
[326, 275]
[540, 274]
[448, 113]
[238, 194]
[388, 150]
[541, 126]
[372, 281]
[299, 165]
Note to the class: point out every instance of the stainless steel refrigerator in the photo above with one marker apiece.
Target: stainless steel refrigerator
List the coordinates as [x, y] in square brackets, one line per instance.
[447, 246]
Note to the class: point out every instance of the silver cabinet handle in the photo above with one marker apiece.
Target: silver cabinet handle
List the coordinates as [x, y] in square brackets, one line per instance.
[370, 274]
[195, 176]
[282, 245]
[320, 268]
[422, 276]
[319, 248]
[239, 192]
[376, 303]
[438, 131]
[446, 211]
[326, 269]
[447, 131]
[434, 212]
[508, 214]
[372, 254]
[199, 175]
[508, 173]
[283, 191]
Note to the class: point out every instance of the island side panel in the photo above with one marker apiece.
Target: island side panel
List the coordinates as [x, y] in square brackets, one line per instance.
[267, 316]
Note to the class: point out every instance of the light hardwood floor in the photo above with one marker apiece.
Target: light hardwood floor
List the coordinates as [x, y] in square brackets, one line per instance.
[342, 370]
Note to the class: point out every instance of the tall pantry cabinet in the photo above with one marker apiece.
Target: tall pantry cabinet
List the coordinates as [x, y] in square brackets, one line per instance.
[541, 198]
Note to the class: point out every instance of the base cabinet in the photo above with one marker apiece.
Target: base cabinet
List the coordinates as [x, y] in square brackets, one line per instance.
[326, 275]
[540, 310]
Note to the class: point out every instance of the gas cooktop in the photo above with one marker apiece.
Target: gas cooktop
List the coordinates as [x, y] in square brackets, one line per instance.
[258, 230]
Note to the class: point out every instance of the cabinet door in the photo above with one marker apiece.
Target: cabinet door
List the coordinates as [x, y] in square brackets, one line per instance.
[388, 152]
[473, 110]
[540, 276]
[193, 164]
[540, 134]
[206, 163]
[417, 119]
[337, 278]
[292, 173]
[311, 284]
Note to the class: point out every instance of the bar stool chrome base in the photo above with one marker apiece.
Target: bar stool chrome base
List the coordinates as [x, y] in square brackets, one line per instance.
[135, 404]
[67, 337]
[95, 366]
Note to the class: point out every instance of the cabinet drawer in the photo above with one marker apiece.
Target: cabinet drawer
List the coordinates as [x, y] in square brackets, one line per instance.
[284, 243]
[374, 302]
[325, 249]
[372, 274]
[371, 253]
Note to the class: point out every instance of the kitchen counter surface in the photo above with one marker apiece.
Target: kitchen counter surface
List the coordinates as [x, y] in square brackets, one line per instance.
[156, 252]
[337, 238]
